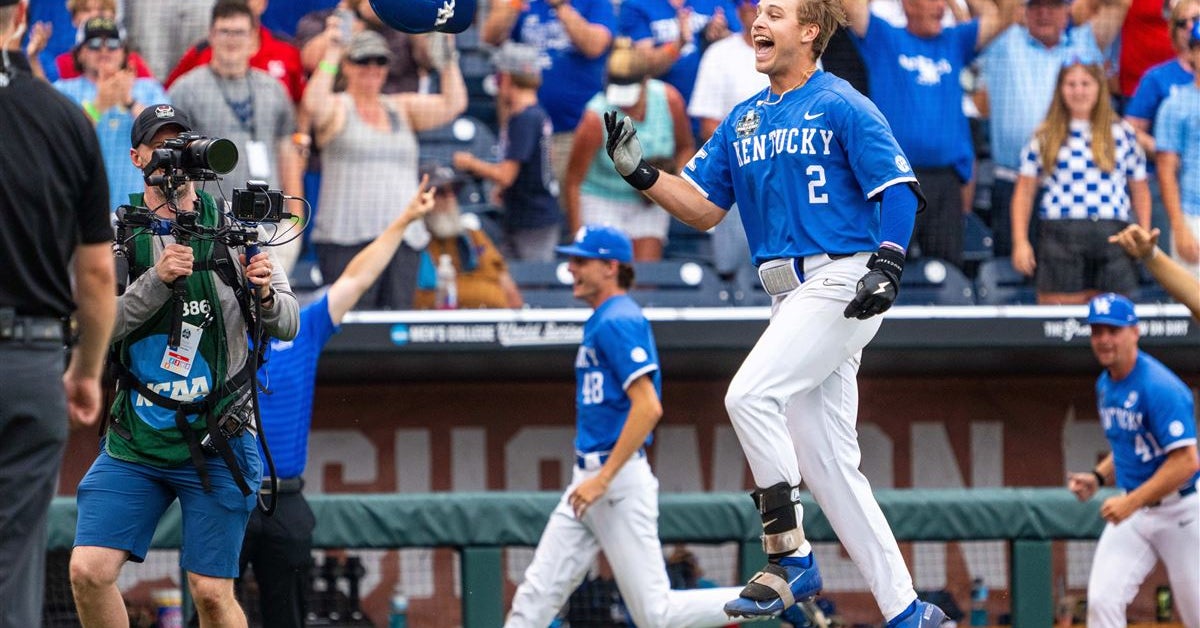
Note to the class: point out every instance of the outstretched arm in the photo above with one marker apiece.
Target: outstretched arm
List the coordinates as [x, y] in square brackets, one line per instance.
[1175, 279]
[365, 268]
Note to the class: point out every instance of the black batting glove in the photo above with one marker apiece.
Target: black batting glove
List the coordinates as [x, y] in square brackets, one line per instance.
[878, 288]
[626, 151]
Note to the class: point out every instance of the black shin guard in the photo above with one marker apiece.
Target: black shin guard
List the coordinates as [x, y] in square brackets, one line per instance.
[777, 506]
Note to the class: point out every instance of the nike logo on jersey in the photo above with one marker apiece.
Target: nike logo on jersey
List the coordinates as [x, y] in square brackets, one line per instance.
[1185, 522]
[782, 141]
[831, 284]
[808, 115]
[882, 287]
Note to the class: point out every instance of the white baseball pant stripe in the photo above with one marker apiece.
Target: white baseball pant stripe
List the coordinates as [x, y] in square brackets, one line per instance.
[624, 524]
[1129, 550]
[794, 406]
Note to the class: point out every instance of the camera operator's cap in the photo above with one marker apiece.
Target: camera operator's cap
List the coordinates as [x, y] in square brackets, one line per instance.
[442, 176]
[101, 27]
[599, 242]
[519, 59]
[1111, 309]
[367, 44]
[155, 117]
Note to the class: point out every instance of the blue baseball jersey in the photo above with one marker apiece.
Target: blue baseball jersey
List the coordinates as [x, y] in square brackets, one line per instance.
[290, 374]
[806, 169]
[1145, 416]
[618, 347]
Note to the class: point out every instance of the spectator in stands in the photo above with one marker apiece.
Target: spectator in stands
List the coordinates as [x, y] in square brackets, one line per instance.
[410, 54]
[722, 82]
[66, 63]
[1145, 40]
[1017, 70]
[370, 154]
[1090, 170]
[673, 34]
[575, 36]
[1157, 83]
[280, 548]
[1175, 279]
[914, 79]
[528, 190]
[1177, 131]
[248, 106]
[163, 29]
[481, 275]
[112, 97]
[594, 193]
[277, 58]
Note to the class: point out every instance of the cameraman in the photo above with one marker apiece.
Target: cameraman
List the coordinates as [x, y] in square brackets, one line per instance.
[176, 426]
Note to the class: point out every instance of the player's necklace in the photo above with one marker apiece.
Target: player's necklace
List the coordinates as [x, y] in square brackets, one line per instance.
[803, 81]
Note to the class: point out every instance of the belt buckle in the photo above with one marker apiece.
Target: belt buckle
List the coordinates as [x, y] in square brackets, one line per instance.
[779, 276]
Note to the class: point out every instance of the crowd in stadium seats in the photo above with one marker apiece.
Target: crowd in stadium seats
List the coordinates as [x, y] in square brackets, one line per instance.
[1023, 185]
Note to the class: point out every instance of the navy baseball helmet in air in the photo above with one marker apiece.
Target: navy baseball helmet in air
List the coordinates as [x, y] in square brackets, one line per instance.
[599, 242]
[423, 16]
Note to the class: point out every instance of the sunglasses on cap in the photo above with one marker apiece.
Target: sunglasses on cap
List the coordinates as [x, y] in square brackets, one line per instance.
[376, 61]
[108, 43]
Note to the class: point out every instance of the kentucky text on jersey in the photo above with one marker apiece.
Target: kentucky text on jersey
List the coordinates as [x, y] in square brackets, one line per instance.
[780, 141]
[1125, 419]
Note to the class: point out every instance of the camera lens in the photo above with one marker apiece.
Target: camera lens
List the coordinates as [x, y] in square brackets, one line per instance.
[217, 154]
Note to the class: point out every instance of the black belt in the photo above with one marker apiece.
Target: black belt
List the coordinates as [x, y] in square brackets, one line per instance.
[1183, 492]
[286, 485]
[15, 328]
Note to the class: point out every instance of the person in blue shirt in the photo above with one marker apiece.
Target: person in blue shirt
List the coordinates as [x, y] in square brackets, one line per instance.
[914, 81]
[280, 547]
[1148, 416]
[828, 201]
[611, 504]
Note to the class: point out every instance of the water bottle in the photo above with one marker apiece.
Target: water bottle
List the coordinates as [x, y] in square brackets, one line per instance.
[979, 596]
[1163, 613]
[447, 283]
[169, 603]
[399, 615]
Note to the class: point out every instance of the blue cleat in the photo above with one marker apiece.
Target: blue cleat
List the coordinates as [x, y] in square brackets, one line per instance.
[777, 588]
[919, 614]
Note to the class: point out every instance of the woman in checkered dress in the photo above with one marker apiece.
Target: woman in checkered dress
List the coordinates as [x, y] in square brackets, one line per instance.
[1088, 174]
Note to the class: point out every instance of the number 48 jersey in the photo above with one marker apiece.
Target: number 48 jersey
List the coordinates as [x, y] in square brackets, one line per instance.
[618, 347]
[1145, 416]
[806, 169]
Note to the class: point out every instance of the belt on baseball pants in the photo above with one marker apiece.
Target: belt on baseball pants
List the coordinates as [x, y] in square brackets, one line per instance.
[16, 328]
[286, 485]
[784, 274]
[1174, 497]
[595, 459]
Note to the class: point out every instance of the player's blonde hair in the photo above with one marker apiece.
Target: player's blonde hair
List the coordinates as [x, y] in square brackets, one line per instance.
[828, 15]
[75, 6]
[1053, 130]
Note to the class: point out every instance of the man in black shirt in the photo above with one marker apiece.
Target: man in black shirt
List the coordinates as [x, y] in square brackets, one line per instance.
[53, 205]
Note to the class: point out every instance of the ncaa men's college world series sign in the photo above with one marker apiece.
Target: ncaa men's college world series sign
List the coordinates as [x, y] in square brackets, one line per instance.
[423, 16]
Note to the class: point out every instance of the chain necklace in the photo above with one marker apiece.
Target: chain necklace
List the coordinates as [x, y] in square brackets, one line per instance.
[803, 81]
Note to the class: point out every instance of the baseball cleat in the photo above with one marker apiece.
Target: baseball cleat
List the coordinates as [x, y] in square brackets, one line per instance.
[777, 588]
[919, 614]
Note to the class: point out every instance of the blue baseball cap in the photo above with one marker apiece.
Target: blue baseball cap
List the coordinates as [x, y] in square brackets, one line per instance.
[600, 242]
[1111, 309]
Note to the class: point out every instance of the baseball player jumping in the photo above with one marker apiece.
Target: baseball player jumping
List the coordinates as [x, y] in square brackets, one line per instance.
[828, 201]
[1148, 415]
[612, 502]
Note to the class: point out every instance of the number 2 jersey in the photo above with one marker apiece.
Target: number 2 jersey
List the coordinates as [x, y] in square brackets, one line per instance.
[806, 169]
[618, 347]
[1145, 416]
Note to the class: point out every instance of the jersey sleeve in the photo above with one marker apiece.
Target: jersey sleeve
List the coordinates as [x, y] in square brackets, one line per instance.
[1172, 417]
[1031, 159]
[1134, 162]
[626, 348]
[875, 157]
[709, 169]
[1145, 98]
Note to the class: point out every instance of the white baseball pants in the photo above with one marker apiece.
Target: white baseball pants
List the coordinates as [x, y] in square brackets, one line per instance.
[624, 523]
[794, 406]
[1129, 550]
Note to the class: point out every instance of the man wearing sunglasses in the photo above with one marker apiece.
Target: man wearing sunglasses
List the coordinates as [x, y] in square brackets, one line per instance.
[112, 96]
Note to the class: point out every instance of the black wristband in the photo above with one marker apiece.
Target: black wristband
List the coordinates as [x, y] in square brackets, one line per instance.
[889, 261]
[642, 177]
[1099, 478]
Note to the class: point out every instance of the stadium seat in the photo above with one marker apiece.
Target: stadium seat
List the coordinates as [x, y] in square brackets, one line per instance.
[931, 281]
[544, 284]
[677, 283]
[998, 283]
[686, 243]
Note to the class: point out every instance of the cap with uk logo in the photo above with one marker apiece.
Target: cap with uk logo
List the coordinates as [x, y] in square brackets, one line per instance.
[1112, 309]
[599, 242]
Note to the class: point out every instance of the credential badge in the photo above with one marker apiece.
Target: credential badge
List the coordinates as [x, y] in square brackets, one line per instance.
[747, 125]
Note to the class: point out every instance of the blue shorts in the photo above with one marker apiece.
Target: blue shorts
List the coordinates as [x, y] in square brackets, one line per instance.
[121, 502]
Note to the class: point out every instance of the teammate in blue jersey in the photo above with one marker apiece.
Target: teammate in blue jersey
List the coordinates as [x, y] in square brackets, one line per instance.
[280, 547]
[1148, 415]
[828, 201]
[612, 502]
